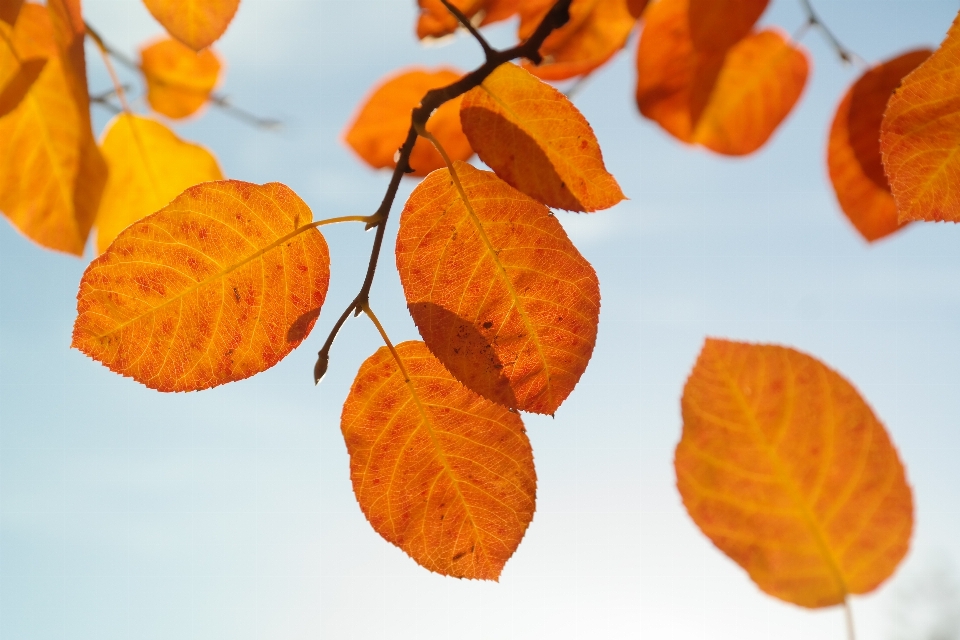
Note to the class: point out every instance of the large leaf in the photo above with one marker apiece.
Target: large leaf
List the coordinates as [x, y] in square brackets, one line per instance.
[436, 20]
[853, 155]
[149, 166]
[537, 141]
[217, 286]
[787, 470]
[440, 472]
[179, 80]
[381, 126]
[497, 290]
[195, 23]
[920, 135]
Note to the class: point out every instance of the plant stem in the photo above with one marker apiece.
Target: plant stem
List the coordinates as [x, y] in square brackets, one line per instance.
[848, 614]
[104, 53]
[386, 339]
[814, 20]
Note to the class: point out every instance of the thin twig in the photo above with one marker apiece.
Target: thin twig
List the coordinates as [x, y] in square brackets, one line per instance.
[848, 614]
[813, 20]
[465, 21]
[105, 54]
[239, 113]
[558, 16]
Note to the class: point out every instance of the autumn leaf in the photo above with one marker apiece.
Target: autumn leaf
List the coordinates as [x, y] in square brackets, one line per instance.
[499, 293]
[717, 25]
[19, 77]
[637, 7]
[217, 286]
[537, 141]
[597, 30]
[381, 126]
[179, 80]
[853, 154]
[195, 23]
[51, 173]
[920, 134]
[440, 472]
[9, 10]
[149, 166]
[730, 102]
[435, 20]
[787, 470]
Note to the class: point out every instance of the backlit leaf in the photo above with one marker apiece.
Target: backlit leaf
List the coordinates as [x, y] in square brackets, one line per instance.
[730, 102]
[853, 155]
[195, 23]
[497, 290]
[920, 135]
[596, 31]
[179, 80]
[381, 126]
[9, 10]
[717, 25]
[435, 20]
[19, 76]
[787, 470]
[537, 141]
[149, 166]
[440, 472]
[51, 172]
[217, 286]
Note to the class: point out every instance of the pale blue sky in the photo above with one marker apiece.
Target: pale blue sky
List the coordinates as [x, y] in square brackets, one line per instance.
[229, 514]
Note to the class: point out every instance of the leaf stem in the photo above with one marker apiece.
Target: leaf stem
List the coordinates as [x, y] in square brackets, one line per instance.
[848, 614]
[813, 20]
[105, 54]
[386, 339]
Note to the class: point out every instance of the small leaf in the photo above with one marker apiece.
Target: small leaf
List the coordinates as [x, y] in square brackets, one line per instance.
[217, 286]
[438, 471]
[179, 80]
[853, 155]
[499, 293]
[717, 25]
[149, 167]
[920, 135]
[537, 141]
[381, 126]
[195, 23]
[9, 10]
[787, 470]
[597, 30]
[436, 21]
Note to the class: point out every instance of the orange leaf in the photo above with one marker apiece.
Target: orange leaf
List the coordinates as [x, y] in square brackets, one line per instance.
[636, 7]
[596, 31]
[440, 472]
[51, 173]
[9, 10]
[853, 155]
[217, 286]
[920, 135]
[149, 167]
[717, 25]
[381, 126]
[497, 290]
[19, 76]
[435, 20]
[179, 80]
[729, 102]
[537, 141]
[195, 23]
[787, 470]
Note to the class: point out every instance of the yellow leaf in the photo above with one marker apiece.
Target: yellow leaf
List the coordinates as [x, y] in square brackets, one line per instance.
[179, 80]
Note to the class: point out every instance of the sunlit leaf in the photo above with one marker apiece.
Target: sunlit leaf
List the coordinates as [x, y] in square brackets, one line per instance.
[19, 76]
[596, 31]
[179, 80]
[497, 290]
[853, 155]
[217, 286]
[537, 141]
[440, 472]
[195, 23]
[149, 166]
[435, 20]
[920, 135]
[717, 25]
[9, 10]
[381, 126]
[787, 470]
[51, 172]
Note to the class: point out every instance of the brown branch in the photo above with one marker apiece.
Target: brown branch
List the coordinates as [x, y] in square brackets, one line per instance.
[465, 21]
[558, 16]
[814, 20]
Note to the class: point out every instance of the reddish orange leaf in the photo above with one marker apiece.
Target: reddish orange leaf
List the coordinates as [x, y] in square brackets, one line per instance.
[537, 141]
[435, 20]
[596, 31]
[787, 470]
[440, 472]
[149, 167]
[179, 80]
[381, 126]
[9, 10]
[51, 173]
[729, 102]
[717, 25]
[920, 135]
[497, 290]
[853, 155]
[217, 286]
[636, 7]
[195, 23]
